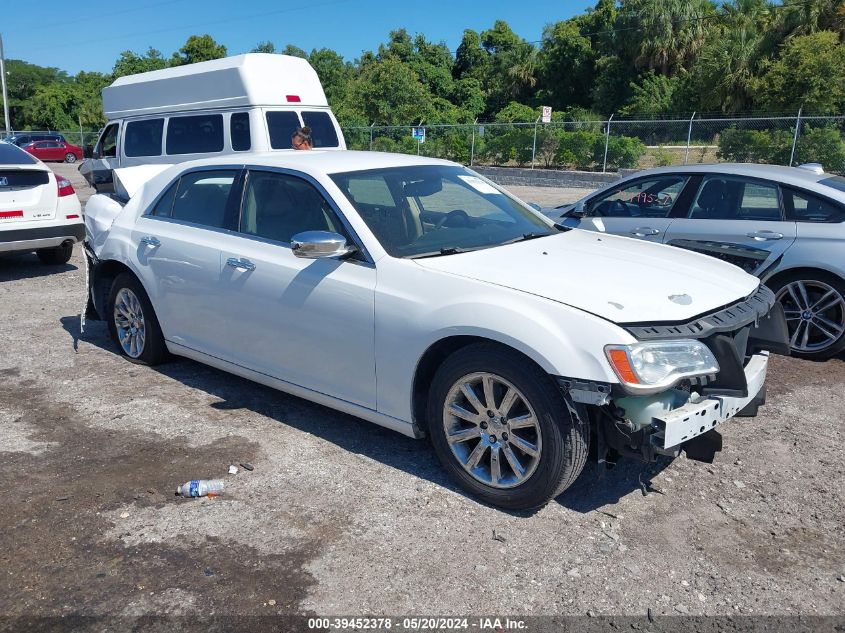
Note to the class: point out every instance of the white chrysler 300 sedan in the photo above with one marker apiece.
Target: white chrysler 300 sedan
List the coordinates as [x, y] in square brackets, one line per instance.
[415, 294]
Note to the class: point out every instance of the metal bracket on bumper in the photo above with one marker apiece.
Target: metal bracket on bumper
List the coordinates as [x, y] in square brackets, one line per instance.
[697, 417]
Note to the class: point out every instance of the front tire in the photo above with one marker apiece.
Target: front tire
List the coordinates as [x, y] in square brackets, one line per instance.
[814, 305]
[132, 322]
[55, 256]
[70, 158]
[502, 429]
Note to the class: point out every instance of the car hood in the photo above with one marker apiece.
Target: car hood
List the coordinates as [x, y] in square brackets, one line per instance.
[617, 278]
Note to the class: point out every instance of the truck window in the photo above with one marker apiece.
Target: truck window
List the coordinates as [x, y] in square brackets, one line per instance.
[281, 126]
[239, 131]
[143, 138]
[107, 147]
[199, 134]
[322, 128]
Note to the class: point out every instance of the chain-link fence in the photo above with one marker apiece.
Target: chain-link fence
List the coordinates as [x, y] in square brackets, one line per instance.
[609, 145]
[600, 145]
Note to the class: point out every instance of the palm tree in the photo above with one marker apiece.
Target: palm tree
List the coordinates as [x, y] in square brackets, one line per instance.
[521, 69]
[671, 32]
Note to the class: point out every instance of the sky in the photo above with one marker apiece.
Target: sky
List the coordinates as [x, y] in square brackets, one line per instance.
[91, 34]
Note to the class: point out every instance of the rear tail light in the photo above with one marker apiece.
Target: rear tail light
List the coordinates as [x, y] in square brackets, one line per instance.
[293, 99]
[11, 214]
[65, 188]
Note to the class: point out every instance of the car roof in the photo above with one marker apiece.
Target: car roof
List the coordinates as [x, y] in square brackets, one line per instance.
[320, 162]
[795, 176]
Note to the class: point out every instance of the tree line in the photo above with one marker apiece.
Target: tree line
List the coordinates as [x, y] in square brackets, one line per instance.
[652, 58]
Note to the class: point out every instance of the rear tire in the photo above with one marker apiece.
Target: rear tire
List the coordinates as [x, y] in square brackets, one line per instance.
[132, 322]
[802, 293]
[70, 158]
[55, 256]
[521, 443]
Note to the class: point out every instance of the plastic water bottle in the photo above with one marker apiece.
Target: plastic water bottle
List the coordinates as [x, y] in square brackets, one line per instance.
[201, 488]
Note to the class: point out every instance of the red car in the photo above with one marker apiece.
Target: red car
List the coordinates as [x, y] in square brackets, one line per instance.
[54, 150]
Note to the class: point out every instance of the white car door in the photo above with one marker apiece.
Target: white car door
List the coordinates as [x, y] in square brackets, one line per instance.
[305, 321]
[178, 252]
[639, 208]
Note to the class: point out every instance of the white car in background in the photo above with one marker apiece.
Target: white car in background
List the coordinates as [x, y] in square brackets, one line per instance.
[415, 294]
[39, 211]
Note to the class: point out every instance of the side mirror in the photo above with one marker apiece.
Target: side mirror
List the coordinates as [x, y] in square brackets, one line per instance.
[319, 245]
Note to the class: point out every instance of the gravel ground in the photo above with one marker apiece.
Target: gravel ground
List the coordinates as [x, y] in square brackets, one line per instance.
[341, 517]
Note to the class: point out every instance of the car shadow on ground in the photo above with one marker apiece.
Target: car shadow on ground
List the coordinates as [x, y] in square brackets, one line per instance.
[27, 266]
[597, 486]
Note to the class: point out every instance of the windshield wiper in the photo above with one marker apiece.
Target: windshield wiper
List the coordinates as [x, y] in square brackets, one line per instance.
[446, 250]
[525, 237]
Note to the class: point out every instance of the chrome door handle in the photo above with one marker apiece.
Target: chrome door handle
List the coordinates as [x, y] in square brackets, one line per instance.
[643, 231]
[241, 263]
[149, 240]
[761, 236]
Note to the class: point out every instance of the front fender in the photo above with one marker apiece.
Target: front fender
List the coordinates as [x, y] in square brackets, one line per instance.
[562, 340]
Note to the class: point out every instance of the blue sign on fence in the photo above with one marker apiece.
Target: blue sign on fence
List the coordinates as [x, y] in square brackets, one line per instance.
[418, 133]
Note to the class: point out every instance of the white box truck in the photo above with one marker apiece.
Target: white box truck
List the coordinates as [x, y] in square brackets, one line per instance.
[246, 103]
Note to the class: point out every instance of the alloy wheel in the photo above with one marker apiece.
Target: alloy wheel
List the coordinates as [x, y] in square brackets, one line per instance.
[129, 322]
[815, 314]
[492, 430]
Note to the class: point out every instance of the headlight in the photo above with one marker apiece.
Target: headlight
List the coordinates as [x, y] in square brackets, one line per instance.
[656, 365]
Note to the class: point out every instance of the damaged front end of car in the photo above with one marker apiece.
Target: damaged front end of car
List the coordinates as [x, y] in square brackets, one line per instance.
[680, 381]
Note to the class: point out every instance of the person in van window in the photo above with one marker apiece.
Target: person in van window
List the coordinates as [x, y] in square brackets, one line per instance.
[301, 138]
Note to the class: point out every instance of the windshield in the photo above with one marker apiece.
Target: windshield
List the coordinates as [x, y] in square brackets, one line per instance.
[437, 209]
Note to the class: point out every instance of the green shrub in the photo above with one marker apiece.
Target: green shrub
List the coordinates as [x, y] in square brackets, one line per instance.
[576, 149]
[821, 145]
[623, 152]
[755, 146]
[662, 158]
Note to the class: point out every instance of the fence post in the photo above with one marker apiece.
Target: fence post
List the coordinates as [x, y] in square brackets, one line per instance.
[534, 147]
[371, 135]
[472, 146]
[81, 136]
[795, 137]
[606, 142]
[689, 136]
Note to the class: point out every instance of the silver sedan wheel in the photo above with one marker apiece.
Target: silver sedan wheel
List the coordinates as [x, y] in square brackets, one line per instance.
[492, 430]
[815, 314]
[129, 321]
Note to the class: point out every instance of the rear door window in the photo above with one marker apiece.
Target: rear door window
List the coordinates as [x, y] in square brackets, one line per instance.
[278, 206]
[731, 198]
[143, 138]
[164, 206]
[203, 198]
[322, 127]
[239, 131]
[805, 207]
[200, 134]
[281, 126]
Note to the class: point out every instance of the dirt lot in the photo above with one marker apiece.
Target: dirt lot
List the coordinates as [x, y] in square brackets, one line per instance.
[341, 517]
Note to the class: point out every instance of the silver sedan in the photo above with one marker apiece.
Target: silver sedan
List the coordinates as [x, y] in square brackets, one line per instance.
[784, 224]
